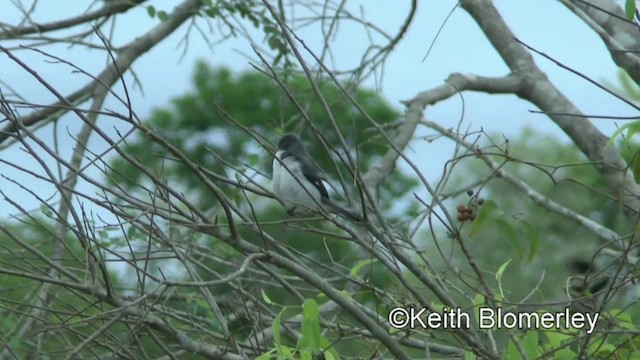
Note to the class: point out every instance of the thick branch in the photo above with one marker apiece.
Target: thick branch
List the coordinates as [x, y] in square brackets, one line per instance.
[541, 92]
[621, 36]
[109, 8]
[112, 72]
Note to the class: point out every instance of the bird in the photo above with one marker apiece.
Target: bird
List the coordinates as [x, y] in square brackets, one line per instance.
[299, 182]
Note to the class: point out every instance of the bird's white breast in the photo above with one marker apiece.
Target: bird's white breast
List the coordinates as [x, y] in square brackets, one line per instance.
[287, 184]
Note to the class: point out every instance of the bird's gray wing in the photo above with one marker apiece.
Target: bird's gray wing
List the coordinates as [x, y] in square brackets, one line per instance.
[315, 176]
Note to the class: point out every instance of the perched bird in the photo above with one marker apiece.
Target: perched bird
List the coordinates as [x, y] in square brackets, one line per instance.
[298, 181]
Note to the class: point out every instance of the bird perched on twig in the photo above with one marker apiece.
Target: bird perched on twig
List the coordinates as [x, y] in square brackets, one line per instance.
[298, 180]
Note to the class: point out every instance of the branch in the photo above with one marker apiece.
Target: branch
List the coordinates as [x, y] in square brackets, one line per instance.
[540, 91]
[621, 36]
[602, 232]
[243, 268]
[111, 73]
[503, 85]
[110, 8]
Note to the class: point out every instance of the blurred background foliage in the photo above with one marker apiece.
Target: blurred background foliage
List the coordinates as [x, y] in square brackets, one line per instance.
[539, 244]
[542, 245]
[195, 124]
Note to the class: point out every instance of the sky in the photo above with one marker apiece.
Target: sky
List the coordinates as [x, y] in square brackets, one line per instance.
[460, 47]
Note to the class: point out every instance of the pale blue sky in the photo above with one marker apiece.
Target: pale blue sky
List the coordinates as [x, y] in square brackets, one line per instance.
[461, 47]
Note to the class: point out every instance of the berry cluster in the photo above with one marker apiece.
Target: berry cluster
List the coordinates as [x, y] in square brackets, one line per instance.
[469, 212]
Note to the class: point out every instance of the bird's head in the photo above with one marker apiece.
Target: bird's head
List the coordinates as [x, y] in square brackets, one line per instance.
[290, 142]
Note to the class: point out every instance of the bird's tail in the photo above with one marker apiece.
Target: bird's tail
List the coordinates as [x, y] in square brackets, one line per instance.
[349, 214]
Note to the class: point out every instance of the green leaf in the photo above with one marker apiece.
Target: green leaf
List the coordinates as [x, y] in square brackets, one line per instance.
[606, 349]
[530, 344]
[510, 233]
[163, 16]
[624, 318]
[501, 270]
[512, 351]
[311, 325]
[266, 298]
[253, 159]
[328, 350]
[627, 83]
[356, 269]
[630, 9]
[275, 43]
[631, 128]
[45, 210]
[601, 348]
[151, 11]
[622, 353]
[499, 275]
[565, 354]
[305, 355]
[276, 327]
[634, 128]
[635, 166]
[285, 353]
[487, 211]
[478, 300]
[556, 339]
[265, 356]
[16, 343]
[212, 12]
[132, 233]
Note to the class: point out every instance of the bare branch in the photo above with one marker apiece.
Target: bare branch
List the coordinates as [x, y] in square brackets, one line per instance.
[619, 34]
[541, 92]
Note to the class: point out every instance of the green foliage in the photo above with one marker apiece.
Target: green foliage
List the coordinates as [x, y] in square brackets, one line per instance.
[629, 130]
[198, 124]
[312, 343]
[26, 249]
[510, 229]
[630, 9]
[530, 246]
[628, 146]
[161, 14]
[510, 226]
[194, 124]
[488, 209]
[499, 274]
[255, 13]
[310, 326]
[562, 344]
[572, 343]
